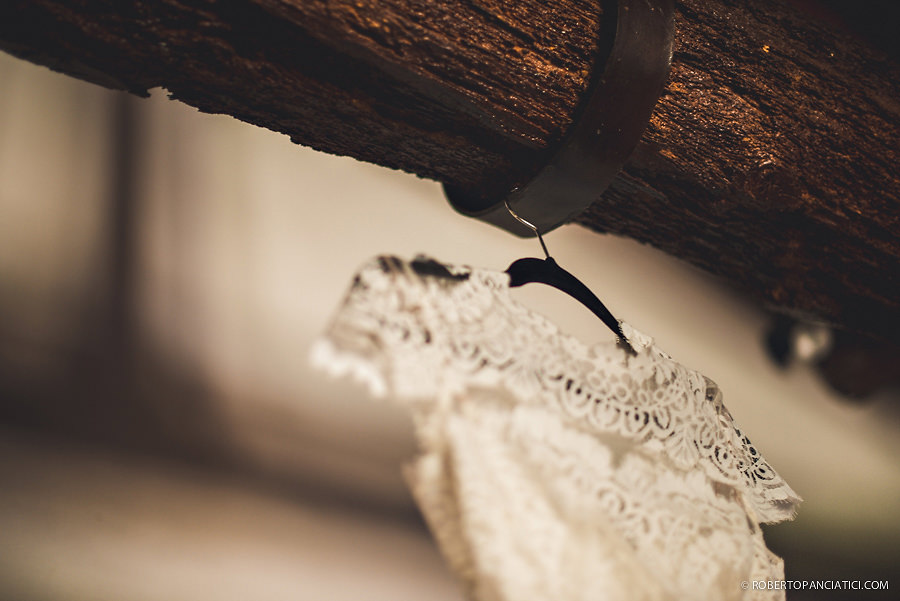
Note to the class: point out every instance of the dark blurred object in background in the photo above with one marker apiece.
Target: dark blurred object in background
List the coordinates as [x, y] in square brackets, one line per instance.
[855, 366]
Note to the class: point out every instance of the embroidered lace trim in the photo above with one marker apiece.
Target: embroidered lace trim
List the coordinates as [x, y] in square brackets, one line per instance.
[550, 469]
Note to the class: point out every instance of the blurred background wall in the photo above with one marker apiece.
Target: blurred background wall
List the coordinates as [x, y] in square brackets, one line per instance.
[163, 274]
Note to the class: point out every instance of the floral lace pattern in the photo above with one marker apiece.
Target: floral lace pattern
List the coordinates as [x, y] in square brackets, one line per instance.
[550, 469]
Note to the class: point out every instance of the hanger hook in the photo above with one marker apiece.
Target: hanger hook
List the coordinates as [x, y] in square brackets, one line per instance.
[529, 225]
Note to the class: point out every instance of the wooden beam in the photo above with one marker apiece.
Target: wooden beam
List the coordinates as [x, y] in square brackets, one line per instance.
[770, 159]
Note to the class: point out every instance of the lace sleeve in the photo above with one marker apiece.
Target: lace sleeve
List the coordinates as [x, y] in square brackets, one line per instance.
[550, 469]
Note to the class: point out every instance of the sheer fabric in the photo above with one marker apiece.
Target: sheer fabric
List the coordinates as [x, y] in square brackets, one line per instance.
[553, 470]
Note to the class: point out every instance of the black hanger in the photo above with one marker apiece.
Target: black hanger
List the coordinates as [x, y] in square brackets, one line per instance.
[547, 271]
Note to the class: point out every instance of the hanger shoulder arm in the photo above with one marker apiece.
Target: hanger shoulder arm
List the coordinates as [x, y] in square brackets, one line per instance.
[547, 271]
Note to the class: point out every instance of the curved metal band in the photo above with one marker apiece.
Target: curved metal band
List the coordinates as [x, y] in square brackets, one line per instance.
[613, 117]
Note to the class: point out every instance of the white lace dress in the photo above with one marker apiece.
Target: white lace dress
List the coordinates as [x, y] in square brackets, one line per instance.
[550, 470]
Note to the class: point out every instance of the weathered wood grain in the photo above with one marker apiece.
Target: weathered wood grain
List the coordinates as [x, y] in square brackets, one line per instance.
[770, 159]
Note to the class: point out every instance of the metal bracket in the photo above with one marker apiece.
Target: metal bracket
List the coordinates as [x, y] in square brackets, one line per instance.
[609, 124]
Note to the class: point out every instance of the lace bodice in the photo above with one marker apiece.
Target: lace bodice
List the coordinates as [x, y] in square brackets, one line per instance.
[550, 469]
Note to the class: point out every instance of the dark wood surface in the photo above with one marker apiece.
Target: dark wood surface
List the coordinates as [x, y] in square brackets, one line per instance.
[770, 159]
